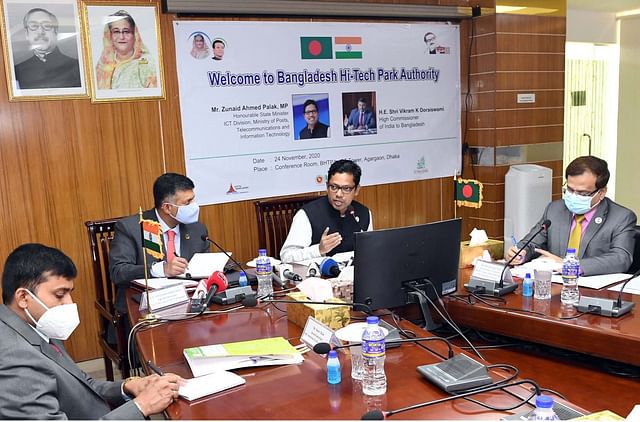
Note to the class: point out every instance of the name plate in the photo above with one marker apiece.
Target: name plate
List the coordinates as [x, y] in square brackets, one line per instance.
[163, 298]
[315, 332]
[491, 271]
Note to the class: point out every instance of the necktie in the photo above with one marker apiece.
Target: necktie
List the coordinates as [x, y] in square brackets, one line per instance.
[576, 235]
[361, 124]
[171, 245]
[55, 347]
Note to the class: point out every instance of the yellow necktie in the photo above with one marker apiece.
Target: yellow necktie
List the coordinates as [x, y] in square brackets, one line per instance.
[576, 235]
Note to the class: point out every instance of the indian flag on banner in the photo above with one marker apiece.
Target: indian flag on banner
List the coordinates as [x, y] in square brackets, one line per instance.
[468, 193]
[348, 47]
[152, 238]
[316, 48]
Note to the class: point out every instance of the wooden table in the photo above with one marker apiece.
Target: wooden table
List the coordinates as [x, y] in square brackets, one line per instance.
[611, 338]
[301, 391]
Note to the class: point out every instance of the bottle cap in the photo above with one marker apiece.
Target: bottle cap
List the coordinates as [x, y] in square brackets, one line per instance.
[545, 402]
[243, 274]
[264, 252]
[333, 354]
[528, 275]
[372, 320]
[571, 250]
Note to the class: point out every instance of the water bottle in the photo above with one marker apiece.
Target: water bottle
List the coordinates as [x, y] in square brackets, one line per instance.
[544, 410]
[242, 279]
[264, 273]
[333, 368]
[527, 286]
[570, 273]
[374, 380]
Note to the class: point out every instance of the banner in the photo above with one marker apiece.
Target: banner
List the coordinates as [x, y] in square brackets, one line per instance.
[268, 106]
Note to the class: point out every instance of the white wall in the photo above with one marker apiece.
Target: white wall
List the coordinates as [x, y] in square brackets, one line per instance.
[591, 27]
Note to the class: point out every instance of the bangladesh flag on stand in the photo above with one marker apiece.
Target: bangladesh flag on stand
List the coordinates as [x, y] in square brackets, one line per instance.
[468, 193]
[316, 48]
[152, 238]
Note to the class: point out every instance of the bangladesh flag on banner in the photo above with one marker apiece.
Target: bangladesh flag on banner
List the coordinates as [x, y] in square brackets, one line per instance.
[468, 193]
[348, 47]
[152, 238]
[316, 48]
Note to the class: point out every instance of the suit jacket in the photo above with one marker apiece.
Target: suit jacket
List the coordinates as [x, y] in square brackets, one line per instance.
[59, 71]
[369, 118]
[40, 383]
[606, 246]
[126, 261]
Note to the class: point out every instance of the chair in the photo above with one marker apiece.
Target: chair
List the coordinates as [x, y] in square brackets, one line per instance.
[274, 220]
[635, 265]
[101, 233]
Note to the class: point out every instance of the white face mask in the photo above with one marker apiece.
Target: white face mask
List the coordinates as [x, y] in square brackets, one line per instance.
[187, 214]
[57, 322]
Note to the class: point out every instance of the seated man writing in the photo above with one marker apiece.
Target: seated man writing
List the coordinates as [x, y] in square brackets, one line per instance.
[326, 225]
[39, 378]
[601, 231]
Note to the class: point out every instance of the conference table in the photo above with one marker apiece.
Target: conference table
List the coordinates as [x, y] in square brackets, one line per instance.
[550, 322]
[302, 391]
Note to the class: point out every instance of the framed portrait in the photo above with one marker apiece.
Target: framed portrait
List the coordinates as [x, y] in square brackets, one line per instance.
[123, 51]
[42, 50]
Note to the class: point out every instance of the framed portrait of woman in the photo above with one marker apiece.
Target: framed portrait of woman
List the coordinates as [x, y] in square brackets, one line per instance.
[123, 51]
[42, 49]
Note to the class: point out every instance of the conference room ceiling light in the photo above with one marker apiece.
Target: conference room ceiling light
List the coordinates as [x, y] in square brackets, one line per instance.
[313, 8]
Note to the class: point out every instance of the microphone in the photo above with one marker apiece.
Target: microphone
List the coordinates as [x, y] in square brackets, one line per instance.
[313, 270]
[329, 268]
[605, 306]
[497, 287]
[216, 283]
[352, 211]
[324, 348]
[378, 415]
[252, 301]
[206, 238]
[290, 275]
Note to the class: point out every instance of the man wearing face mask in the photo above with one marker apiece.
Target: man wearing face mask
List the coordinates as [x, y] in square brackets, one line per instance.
[39, 379]
[177, 212]
[601, 231]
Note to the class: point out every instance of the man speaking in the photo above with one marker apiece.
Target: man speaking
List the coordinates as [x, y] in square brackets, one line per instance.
[601, 231]
[326, 225]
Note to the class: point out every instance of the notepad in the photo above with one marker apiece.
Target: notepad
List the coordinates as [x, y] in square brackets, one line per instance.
[206, 385]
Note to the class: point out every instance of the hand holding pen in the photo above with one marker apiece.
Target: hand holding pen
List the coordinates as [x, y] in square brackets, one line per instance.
[175, 266]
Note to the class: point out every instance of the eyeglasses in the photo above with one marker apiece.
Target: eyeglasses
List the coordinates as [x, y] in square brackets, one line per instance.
[46, 26]
[124, 32]
[336, 188]
[567, 189]
[311, 112]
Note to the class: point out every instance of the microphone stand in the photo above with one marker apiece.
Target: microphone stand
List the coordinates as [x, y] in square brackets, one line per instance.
[607, 307]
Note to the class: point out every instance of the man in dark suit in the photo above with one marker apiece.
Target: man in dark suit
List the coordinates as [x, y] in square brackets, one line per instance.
[177, 212]
[601, 231]
[314, 128]
[361, 117]
[39, 378]
[48, 67]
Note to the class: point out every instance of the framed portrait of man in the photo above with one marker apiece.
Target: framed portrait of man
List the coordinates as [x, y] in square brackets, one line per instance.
[124, 52]
[42, 49]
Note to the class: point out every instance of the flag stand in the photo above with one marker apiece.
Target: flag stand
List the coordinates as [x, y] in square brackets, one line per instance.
[150, 316]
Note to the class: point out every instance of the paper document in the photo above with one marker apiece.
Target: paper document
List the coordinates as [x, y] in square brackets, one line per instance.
[222, 357]
[202, 265]
[594, 281]
[340, 258]
[632, 287]
[198, 387]
[161, 283]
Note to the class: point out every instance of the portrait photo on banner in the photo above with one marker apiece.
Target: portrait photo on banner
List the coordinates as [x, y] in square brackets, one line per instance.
[311, 116]
[359, 113]
[42, 50]
[124, 52]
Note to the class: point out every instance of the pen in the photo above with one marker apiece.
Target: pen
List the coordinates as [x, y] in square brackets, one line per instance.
[513, 239]
[186, 273]
[155, 368]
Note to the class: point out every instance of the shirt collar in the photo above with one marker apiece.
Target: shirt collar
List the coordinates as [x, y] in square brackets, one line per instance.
[165, 228]
[41, 334]
[589, 215]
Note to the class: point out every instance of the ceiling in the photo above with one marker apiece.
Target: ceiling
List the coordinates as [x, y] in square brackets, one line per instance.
[558, 7]
[604, 5]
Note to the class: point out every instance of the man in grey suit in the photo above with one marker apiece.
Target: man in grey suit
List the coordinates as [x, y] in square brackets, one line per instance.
[39, 379]
[177, 212]
[600, 230]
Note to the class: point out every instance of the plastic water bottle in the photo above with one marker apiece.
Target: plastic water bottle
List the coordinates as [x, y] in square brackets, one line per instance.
[374, 380]
[544, 410]
[333, 368]
[570, 273]
[242, 279]
[264, 273]
[527, 286]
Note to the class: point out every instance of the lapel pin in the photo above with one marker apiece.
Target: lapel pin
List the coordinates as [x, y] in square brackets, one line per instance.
[598, 220]
[187, 236]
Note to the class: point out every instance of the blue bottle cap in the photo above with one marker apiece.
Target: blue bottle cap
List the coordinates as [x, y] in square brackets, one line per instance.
[528, 275]
[571, 250]
[333, 354]
[262, 252]
[545, 402]
[372, 320]
[243, 274]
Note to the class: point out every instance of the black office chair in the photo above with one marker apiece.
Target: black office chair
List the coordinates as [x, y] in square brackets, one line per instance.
[635, 265]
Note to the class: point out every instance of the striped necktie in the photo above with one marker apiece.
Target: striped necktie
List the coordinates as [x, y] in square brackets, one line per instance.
[576, 235]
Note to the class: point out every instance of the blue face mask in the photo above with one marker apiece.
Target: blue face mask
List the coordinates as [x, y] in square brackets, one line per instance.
[577, 204]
